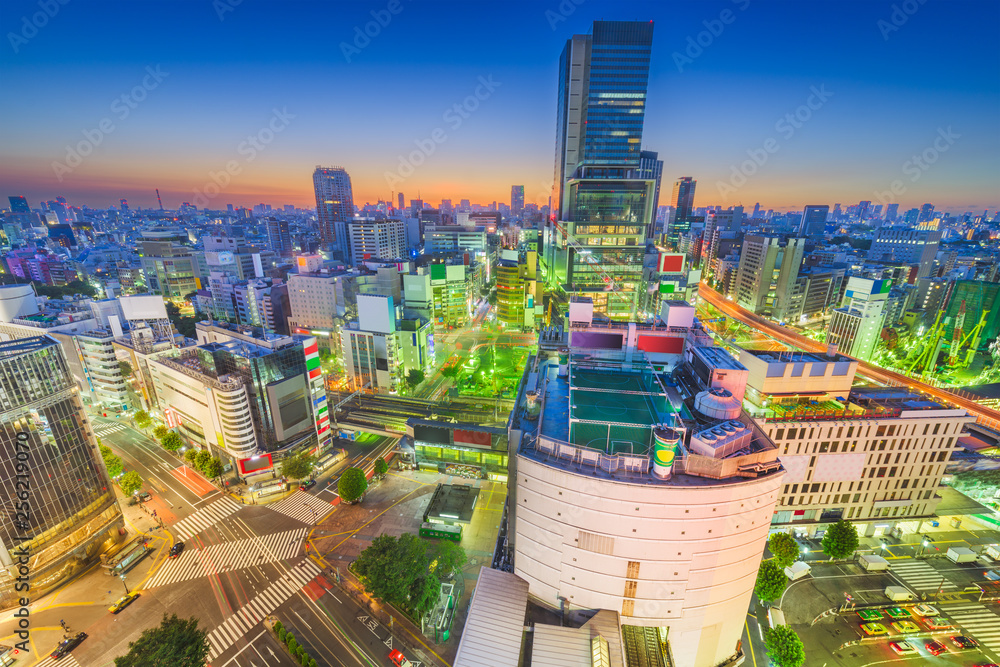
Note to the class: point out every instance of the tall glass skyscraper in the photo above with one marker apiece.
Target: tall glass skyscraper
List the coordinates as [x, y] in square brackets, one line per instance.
[682, 199]
[595, 243]
[58, 502]
[334, 204]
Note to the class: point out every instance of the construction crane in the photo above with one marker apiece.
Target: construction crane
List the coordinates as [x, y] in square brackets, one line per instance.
[956, 338]
[158, 198]
[975, 335]
[928, 355]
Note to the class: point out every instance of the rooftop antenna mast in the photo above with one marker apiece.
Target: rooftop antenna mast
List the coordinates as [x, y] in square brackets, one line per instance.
[158, 198]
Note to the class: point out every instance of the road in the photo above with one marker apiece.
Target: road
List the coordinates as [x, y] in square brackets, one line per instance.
[240, 563]
[868, 370]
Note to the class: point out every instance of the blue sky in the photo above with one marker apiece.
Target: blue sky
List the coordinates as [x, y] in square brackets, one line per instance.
[890, 90]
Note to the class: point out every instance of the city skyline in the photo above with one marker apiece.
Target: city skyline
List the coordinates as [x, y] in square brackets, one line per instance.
[886, 97]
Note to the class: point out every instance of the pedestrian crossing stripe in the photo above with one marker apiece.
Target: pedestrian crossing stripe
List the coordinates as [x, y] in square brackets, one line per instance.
[206, 517]
[979, 621]
[920, 576]
[67, 661]
[233, 555]
[253, 612]
[104, 429]
[303, 507]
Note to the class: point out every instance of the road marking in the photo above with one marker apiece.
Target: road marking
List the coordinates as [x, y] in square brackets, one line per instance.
[254, 611]
[67, 660]
[236, 655]
[302, 619]
[205, 517]
[303, 507]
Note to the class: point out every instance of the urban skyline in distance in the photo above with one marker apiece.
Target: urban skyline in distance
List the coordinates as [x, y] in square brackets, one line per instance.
[854, 102]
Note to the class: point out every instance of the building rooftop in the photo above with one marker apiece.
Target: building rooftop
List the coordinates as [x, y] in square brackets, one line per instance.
[795, 356]
[718, 358]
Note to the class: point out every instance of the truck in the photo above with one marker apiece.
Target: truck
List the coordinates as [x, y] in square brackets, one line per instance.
[898, 593]
[961, 555]
[873, 563]
[993, 551]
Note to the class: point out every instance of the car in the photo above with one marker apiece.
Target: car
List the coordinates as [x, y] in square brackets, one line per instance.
[924, 610]
[935, 647]
[305, 486]
[896, 612]
[905, 626]
[987, 664]
[176, 550]
[963, 642]
[903, 648]
[67, 645]
[938, 623]
[123, 602]
[872, 629]
[144, 496]
[869, 615]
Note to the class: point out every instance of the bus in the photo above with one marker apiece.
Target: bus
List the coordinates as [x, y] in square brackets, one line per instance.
[129, 560]
[270, 488]
[441, 531]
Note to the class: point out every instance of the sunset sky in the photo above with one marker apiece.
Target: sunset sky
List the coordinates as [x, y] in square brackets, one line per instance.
[926, 83]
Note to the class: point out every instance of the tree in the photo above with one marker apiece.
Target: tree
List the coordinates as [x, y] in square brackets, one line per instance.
[352, 485]
[130, 482]
[298, 466]
[171, 442]
[202, 460]
[784, 647]
[397, 571]
[840, 540]
[176, 643]
[142, 419]
[191, 455]
[160, 432]
[415, 377]
[771, 581]
[784, 547]
[213, 469]
[446, 557]
[381, 467]
[125, 368]
[113, 464]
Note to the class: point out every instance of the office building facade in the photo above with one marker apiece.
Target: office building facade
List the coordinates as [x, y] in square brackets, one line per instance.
[334, 204]
[47, 441]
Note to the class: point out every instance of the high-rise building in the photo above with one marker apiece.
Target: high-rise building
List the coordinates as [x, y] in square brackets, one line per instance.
[401, 200]
[74, 516]
[516, 200]
[908, 246]
[926, 213]
[279, 238]
[682, 199]
[599, 197]
[813, 223]
[864, 210]
[19, 204]
[769, 268]
[334, 204]
[650, 168]
[891, 212]
[855, 328]
[124, 205]
[375, 239]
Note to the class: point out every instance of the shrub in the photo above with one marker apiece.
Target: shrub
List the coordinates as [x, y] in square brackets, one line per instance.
[292, 644]
[278, 627]
[281, 634]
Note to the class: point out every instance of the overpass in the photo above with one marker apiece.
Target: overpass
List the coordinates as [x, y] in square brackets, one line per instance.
[984, 415]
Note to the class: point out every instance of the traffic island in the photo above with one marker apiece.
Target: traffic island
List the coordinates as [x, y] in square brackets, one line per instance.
[290, 644]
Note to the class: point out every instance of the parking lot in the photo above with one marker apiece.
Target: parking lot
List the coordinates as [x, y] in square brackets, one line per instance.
[829, 623]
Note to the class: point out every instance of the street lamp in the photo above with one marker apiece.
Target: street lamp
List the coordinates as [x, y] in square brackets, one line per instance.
[122, 577]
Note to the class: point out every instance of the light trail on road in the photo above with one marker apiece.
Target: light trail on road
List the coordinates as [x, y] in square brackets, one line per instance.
[795, 339]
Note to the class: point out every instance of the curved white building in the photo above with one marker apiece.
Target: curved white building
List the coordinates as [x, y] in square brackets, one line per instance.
[609, 511]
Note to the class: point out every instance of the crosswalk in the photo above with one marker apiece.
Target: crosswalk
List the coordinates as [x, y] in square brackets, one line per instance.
[253, 612]
[303, 507]
[207, 516]
[919, 576]
[66, 661]
[109, 427]
[194, 563]
[979, 621]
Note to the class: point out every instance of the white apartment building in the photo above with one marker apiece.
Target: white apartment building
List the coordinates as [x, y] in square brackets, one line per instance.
[101, 372]
[856, 327]
[375, 239]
